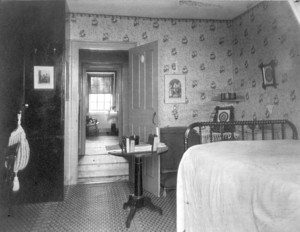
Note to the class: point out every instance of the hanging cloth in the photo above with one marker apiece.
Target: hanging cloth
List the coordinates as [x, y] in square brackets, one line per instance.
[18, 136]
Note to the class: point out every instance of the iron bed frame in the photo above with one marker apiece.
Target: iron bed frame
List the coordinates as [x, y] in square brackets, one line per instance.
[230, 127]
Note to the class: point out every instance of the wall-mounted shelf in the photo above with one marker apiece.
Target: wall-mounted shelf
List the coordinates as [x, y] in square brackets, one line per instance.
[237, 100]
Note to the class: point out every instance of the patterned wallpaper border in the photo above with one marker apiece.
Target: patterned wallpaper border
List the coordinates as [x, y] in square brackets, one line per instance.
[72, 16]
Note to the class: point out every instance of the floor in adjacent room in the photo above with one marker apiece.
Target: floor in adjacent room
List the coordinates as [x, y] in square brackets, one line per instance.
[97, 166]
[91, 207]
[95, 145]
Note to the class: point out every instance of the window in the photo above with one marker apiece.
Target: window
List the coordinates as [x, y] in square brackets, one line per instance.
[100, 102]
[101, 91]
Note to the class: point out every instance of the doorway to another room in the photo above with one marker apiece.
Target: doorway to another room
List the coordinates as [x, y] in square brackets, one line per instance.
[100, 115]
[102, 112]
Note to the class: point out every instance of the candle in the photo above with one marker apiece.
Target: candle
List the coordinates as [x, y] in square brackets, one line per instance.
[157, 132]
[127, 145]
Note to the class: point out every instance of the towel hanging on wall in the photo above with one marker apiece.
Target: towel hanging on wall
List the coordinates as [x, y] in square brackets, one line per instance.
[18, 136]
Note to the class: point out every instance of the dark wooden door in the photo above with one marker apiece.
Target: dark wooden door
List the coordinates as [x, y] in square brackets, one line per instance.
[33, 34]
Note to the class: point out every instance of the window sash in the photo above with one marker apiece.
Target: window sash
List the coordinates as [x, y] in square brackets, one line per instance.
[100, 102]
[101, 91]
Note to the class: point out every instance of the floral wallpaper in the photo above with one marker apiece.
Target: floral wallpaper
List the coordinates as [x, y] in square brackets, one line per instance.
[216, 57]
[267, 32]
[200, 49]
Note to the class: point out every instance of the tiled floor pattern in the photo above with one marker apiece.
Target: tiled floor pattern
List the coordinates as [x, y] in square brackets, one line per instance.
[152, 221]
[91, 207]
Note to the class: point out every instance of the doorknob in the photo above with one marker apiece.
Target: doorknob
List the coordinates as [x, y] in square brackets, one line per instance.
[26, 105]
[153, 118]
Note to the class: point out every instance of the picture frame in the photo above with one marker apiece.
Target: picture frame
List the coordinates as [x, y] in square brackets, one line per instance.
[223, 114]
[175, 88]
[43, 77]
[268, 74]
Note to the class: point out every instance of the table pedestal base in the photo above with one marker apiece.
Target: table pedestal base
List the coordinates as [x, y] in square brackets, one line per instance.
[137, 202]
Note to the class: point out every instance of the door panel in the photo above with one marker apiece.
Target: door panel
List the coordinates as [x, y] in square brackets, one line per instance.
[37, 30]
[150, 101]
[44, 116]
[143, 71]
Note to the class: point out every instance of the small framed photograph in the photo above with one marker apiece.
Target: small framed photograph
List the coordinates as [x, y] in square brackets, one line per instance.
[175, 88]
[223, 114]
[268, 74]
[43, 77]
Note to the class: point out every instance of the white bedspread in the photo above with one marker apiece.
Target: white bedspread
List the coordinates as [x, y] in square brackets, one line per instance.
[240, 186]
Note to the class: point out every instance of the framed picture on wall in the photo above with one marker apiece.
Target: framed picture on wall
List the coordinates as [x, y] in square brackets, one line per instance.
[268, 74]
[223, 114]
[175, 88]
[43, 77]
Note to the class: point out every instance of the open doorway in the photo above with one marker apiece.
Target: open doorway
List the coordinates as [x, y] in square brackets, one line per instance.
[102, 75]
[102, 78]
[74, 61]
[102, 113]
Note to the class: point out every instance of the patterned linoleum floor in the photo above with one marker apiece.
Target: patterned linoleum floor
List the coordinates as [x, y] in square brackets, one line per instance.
[91, 207]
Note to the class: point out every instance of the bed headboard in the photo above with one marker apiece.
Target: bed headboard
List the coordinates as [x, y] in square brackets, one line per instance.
[239, 130]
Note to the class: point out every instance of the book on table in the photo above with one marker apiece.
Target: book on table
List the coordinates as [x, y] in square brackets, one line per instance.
[142, 147]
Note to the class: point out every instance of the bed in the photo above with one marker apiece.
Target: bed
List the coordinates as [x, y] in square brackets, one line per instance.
[249, 182]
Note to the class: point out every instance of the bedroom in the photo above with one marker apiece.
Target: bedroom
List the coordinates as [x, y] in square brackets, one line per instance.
[214, 56]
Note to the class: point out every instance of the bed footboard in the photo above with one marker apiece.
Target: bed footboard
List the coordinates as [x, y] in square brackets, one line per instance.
[201, 132]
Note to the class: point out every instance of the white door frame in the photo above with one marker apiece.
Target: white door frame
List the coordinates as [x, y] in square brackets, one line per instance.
[72, 100]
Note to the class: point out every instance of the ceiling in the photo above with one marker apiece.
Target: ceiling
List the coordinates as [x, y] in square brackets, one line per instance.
[181, 9]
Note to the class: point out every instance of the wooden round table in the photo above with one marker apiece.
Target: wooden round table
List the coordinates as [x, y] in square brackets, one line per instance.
[137, 200]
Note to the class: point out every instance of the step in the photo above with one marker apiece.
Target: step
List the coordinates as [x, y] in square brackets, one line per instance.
[103, 159]
[95, 150]
[102, 179]
[100, 170]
